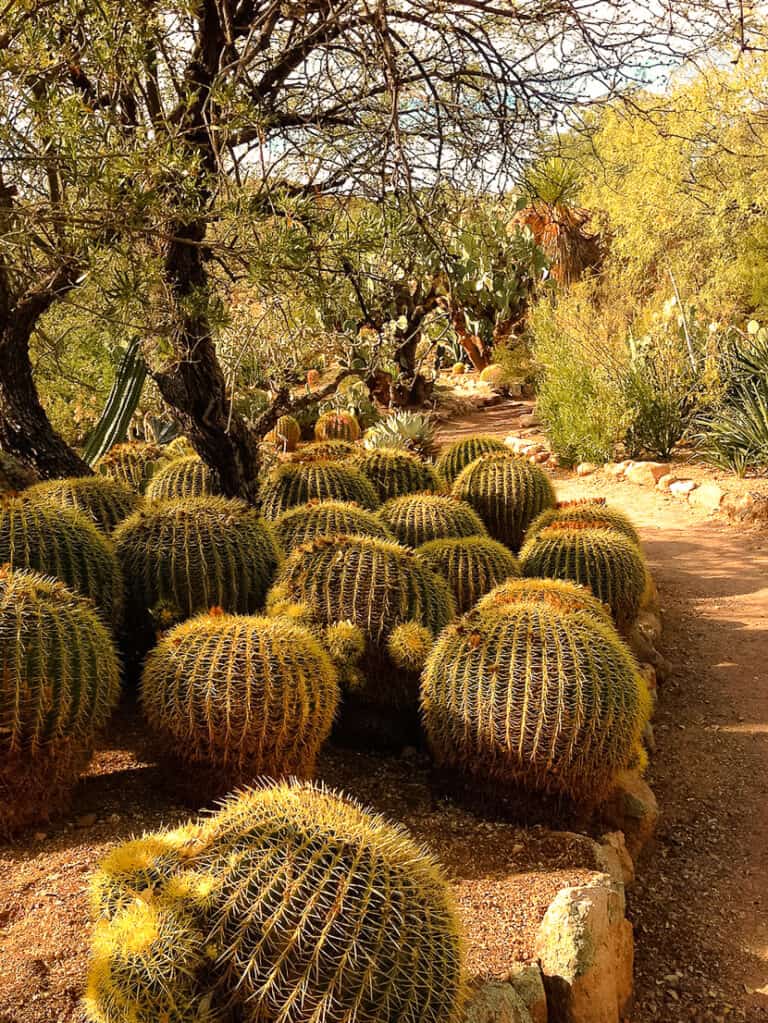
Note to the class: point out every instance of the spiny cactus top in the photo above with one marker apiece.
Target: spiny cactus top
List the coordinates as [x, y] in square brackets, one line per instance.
[394, 472]
[495, 375]
[606, 561]
[584, 513]
[458, 455]
[179, 447]
[252, 696]
[303, 523]
[416, 519]
[472, 565]
[323, 451]
[188, 476]
[13, 475]
[337, 426]
[286, 434]
[327, 912]
[559, 594]
[103, 500]
[62, 543]
[296, 483]
[534, 697]
[507, 492]
[132, 463]
[197, 553]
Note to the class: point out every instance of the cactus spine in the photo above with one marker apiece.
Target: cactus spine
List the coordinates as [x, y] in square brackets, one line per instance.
[106, 502]
[415, 519]
[323, 451]
[461, 453]
[471, 565]
[296, 483]
[305, 522]
[337, 426]
[132, 463]
[579, 514]
[558, 594]
[189, 476]
[394, 472]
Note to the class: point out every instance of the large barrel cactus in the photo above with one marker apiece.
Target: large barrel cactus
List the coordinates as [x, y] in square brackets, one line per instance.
[13, 475]
[189, 476]
[559, 594]
[416, 519]
[133, 463]
[606, 561]
[535, 698]
[305, 522]
[249, 696]
[457, 456]
[507, 492]
[62, 543]
[296, 483]
[106, 502]
[592, 513]
[59, 681]
[472, 566]
[323, 451]
[337, 426]
[394, 472]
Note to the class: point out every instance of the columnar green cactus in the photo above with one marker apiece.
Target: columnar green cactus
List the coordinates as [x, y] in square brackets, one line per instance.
[472, 565]
[416, 519]
[64, 544]
[59, 681]
[394, 472]
[132, 463]
[194, 554]
[337, 426]
[249, 696]
[461, 453]
[610, 564]
[305, 522]
[296, 483]
[507, 492]
[593, 513]
[324, 451]
[559, 594]
[13, 475]
[536, 698]
[103, 500]
[189, 476]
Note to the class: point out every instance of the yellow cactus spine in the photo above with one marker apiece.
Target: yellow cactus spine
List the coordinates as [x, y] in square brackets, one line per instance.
[415, 519]
[579, 514]
[394, 472]
[559, 594]
[104, 501]
[305, 522]
[132, 463]
[296, 483]
[461, 453]
[337, 426]
[188, 476]
[472, 566]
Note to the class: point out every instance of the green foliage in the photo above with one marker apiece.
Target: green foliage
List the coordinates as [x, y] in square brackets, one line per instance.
[507, 492]
[589, 512]
[394, 472]
[413, 431]
[560, 595]
[295, 483]
[132, 463]
[337, 426]
[472, 566]
[13, 475]
[112, 426]
[327, 518]
[417, 518]
[105, 501]
[535, 698]
[188, 476]
[59, 682]
[460, 453]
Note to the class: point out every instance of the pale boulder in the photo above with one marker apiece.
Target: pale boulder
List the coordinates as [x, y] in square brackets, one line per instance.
[708, 497]
[682, 488]
[631, 807]
[528, 983]
[646, 474]
[585, 468]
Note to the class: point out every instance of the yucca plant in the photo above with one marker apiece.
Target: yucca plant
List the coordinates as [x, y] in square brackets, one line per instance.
[589, 512]
[106, 502]
[460, 453]
[338, 425]
[295, 483]
[132, 463]
[472, 566]
[416, 519]
[188, 476]
[305, 522]
[395, 472]
[414, 431]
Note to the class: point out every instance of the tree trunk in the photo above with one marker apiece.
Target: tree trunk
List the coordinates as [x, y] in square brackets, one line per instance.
[478, 354]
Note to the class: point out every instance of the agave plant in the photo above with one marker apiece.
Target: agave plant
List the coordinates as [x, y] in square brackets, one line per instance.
[413, 431]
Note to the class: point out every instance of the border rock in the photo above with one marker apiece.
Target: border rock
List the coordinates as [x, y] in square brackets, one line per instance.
[496, 1002]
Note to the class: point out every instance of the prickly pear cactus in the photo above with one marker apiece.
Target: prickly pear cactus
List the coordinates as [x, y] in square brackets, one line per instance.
[337, 426]
[305, 522]
[133, 463]
[461, 453]
[394, 472]
[104, 501]
[415, 519]
[472, 566]
[188, 476]
[296, 483]
[593, 513]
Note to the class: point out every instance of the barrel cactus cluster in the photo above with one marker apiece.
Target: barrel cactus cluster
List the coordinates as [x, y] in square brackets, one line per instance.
[394, 471]
[295, 483]
[187, 476]
[106, 502]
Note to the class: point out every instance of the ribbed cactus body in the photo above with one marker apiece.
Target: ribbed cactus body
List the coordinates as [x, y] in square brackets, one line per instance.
[132, 463]
[607, 562]
[62, 543]
[559, 594]
[286, 434]
[324, 451]
[297, 483]
[580, 514]
[532, 697]
[179, 447]
[416, 519]
[305, 522]
[106, 502]
[394, 472]
[189, 476]
[59, 681]
[472, 566]
[13, 475]
[337, 426]
[461, 453]
[194, 554]
[495, 375]
[507, 493]
[251, 696]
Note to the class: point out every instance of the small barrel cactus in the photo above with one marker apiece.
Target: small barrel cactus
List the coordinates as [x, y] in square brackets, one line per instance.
[472, 565]
[461, 453]
[296, 483]
[105, 501]
[189, 476]
[494, 375]
[59, 682]
[328, 912]
[286, 434]
[507, 492]
[132, 463]
[593, 513]
[337, 426]
[324, 451]
[458, 369]
[394, 472]
[184, 556]
[13, 475]
[416, 519]
[559, 594]
[62, 543]
[534, 698]
[249, 696]
[305, 522]
[609, 563]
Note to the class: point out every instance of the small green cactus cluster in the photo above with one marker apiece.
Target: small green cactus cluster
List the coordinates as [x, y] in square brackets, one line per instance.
[249, 696]
[308, 521]
[337, 426]
[394, 472]
[290, 904]
[286, 434]
[531, 697]
[324, 451]
[558, 594]
[13, 475]
[297, 482]
[415, 519]
[64, 544]
[59, 682]
[507, 492]
[132, 463]
[580, 514]
[105, 501]
[605, 560]
[461, 453]
[472, 565]
[188, 476]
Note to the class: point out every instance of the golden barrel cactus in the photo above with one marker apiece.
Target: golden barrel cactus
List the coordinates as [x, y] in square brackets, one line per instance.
[105, 501]
[133, 463]
[188, 476]
[416, 519]
[297, 483]
[559, 594]
[472, 566]
[580, 514]
[394, 472]
[323, 451]
[461, 453]
[337, 426]
[305, 522]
